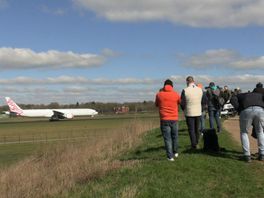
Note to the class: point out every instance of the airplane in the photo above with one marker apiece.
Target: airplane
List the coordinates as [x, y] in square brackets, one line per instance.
[53, 114]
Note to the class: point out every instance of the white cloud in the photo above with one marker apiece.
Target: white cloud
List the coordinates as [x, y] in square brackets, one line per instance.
[67, 89]
[80, 83]
[23, 58]
[202, 13]
[249, 63]
[22, 80]
[245, 82]
[224, 58]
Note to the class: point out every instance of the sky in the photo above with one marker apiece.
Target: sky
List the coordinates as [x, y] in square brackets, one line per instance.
[70, 51]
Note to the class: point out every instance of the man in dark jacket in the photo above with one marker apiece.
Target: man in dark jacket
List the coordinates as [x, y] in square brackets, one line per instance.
[250, 107]
[259, 88]
[212, 94]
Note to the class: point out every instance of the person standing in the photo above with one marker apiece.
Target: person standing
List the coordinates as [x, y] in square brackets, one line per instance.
[250, 107]
[167, 100]
[259, 88]
[191, 99]
[213, 93]
[204, 109]
[226, 94]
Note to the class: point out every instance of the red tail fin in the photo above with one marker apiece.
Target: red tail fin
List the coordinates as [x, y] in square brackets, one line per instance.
[13, 107]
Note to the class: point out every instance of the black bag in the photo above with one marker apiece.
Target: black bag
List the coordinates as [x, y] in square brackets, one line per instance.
[210, 140]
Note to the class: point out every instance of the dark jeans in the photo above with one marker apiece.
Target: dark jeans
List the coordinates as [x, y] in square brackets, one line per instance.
[214, 115]
[193, 124]
[169, 129]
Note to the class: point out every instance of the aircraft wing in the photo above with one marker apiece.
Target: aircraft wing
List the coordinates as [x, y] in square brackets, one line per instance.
[60, 115]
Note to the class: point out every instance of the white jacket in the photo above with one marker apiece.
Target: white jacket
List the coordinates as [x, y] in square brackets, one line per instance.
[191, 100]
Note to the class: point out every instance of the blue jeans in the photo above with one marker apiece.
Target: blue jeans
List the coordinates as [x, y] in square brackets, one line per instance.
[252, 115]
[214, 115]
[169, 129]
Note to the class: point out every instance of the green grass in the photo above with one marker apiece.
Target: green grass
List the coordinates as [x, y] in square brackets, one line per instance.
[14, 127]
[193, 174]
[10, 154]
[35, 130]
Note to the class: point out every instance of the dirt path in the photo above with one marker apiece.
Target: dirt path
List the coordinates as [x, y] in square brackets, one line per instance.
[232, 126]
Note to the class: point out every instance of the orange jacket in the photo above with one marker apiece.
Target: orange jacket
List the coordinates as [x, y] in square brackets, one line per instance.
[168, 100]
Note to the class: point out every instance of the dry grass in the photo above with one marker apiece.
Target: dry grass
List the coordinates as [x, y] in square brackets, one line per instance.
[59, 168]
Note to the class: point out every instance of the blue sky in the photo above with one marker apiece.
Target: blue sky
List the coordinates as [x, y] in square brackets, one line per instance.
[116, 51]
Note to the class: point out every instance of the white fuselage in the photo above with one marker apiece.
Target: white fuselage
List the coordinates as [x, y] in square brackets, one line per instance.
[68, 113]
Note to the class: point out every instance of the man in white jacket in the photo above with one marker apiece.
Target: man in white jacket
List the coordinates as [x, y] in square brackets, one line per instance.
[191, 104]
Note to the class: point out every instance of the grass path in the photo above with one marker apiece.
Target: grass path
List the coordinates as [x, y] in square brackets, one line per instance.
[193, 174]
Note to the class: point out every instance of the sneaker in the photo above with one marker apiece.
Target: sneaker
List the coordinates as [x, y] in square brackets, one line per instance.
[261, 157]
[176, 155]
[170, 159]
[247, 158]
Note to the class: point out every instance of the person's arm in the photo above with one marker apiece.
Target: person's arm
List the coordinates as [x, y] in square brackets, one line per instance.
[209, 94]
[157, 101]
[229, 95]
[183, 100]
[234, 102]
[204, 101]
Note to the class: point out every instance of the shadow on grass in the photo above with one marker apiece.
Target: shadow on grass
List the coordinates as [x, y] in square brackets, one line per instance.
[151, 153]
[222, 153]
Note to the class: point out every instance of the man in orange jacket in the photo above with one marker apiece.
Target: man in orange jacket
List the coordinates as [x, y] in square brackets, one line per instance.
[168, 100]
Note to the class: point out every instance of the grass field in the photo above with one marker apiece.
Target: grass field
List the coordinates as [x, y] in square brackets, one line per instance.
[21, 137]
[58, 166]
[122, 169]
[193, 174]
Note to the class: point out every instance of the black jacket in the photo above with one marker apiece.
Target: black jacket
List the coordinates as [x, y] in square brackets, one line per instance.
[245, 100]
[259, 90]
[211, 99]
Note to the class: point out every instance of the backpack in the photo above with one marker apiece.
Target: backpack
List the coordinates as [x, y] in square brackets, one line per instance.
[218, 100]
[210, 140]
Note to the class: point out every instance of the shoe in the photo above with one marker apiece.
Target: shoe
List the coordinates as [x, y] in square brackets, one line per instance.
[176, 155]
[247, 158]
[170, 159]
[261, 157]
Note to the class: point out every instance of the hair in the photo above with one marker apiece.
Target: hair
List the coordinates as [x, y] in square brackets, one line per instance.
[211, 84]
[259, 85]
[168, 82]
[189, 79]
